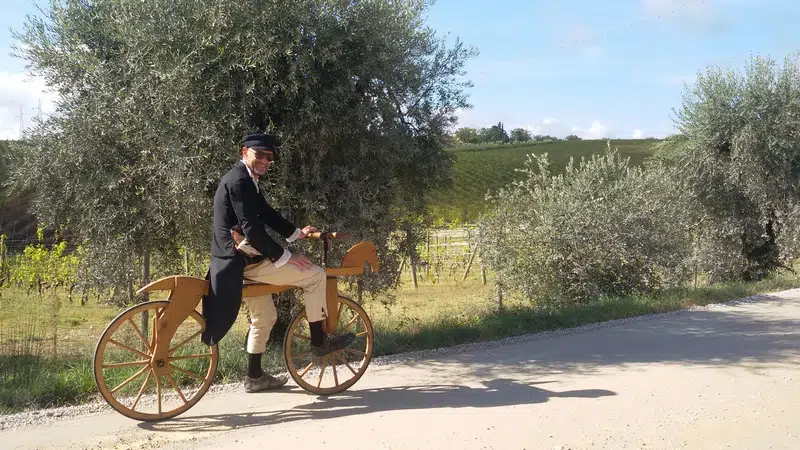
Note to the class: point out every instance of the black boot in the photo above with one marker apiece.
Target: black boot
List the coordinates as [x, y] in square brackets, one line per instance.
[323, 344]
[332, 343]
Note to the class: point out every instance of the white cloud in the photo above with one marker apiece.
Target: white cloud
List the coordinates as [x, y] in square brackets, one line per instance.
[596, 130]
[17, 91]
[551, 126]
[547, 126]
[554, 127]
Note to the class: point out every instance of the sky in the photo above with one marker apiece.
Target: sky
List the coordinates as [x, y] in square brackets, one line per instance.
[598, 69]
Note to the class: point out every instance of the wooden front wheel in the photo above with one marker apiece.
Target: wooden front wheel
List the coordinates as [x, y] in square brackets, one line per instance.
[336, 371]
[124, 373]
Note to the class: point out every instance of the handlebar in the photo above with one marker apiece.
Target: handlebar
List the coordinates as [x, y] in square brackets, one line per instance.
[329, 235]
[326, 237]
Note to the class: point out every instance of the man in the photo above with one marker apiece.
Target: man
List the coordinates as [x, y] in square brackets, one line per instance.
[239, 206]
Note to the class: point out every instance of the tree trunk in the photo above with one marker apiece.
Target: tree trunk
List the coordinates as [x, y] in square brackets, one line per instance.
[499, 291]
[762, 258]
[413, 273]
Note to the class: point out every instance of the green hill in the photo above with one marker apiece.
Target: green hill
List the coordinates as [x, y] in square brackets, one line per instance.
[480, 169]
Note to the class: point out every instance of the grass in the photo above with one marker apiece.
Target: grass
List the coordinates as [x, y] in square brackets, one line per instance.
[434, 315]
[459, 313]
[518, 318]
[480, 169]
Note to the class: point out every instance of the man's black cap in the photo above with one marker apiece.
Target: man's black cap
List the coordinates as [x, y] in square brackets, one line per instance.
[261, 141]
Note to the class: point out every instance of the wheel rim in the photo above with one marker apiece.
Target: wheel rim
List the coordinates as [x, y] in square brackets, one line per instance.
[123, 370]
[336, 371]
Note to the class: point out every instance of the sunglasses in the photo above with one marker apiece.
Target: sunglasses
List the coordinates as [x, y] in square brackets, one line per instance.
[263, 155]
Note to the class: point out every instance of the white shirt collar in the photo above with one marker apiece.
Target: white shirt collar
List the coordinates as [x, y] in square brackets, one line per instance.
[250, 172]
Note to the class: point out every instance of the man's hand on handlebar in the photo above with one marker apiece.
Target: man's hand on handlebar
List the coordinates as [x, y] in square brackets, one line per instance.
[300, 261]
[306, 231]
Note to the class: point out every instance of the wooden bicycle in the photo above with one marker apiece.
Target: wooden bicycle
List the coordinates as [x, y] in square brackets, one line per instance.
[159, 339]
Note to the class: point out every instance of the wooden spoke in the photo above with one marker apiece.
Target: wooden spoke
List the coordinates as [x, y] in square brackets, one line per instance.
[130, 349]
[125, 383]
[322, 370]
[347, 363]
[186, 372]
[126, 364]
[139, 333]
[175, 385]
[185, 341]
[355, 352]
[200, 355]
[363, 333]
[333, 366]
[352, 321]
[307, 368]
[141, 390]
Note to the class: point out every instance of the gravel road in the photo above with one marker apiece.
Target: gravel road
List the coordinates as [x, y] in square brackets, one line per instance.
[724, 376]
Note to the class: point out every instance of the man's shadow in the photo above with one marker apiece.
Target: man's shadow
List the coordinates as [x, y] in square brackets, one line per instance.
[497, 392]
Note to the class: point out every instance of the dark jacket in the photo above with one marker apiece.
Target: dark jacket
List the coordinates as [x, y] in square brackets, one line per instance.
[237, 202]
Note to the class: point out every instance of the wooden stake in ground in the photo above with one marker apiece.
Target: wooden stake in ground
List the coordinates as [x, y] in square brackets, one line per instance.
[471, 258]
[428, 246]
[55, 325]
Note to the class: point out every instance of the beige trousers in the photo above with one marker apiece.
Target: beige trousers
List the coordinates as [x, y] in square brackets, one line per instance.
[263, 314]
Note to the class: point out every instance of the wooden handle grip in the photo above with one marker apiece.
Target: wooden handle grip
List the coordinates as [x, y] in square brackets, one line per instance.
[331, 234]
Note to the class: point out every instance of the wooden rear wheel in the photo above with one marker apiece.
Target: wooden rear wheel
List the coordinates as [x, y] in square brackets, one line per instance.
[335, 372]
[124, 373]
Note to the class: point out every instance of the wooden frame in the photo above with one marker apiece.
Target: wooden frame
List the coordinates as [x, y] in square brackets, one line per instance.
[185, 293]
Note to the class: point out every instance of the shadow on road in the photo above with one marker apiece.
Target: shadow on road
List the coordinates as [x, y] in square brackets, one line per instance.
[753, 336]
[497, 392]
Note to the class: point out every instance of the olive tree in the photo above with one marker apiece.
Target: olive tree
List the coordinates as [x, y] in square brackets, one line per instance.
[739, 154]
[599, 228]
[156, 94]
